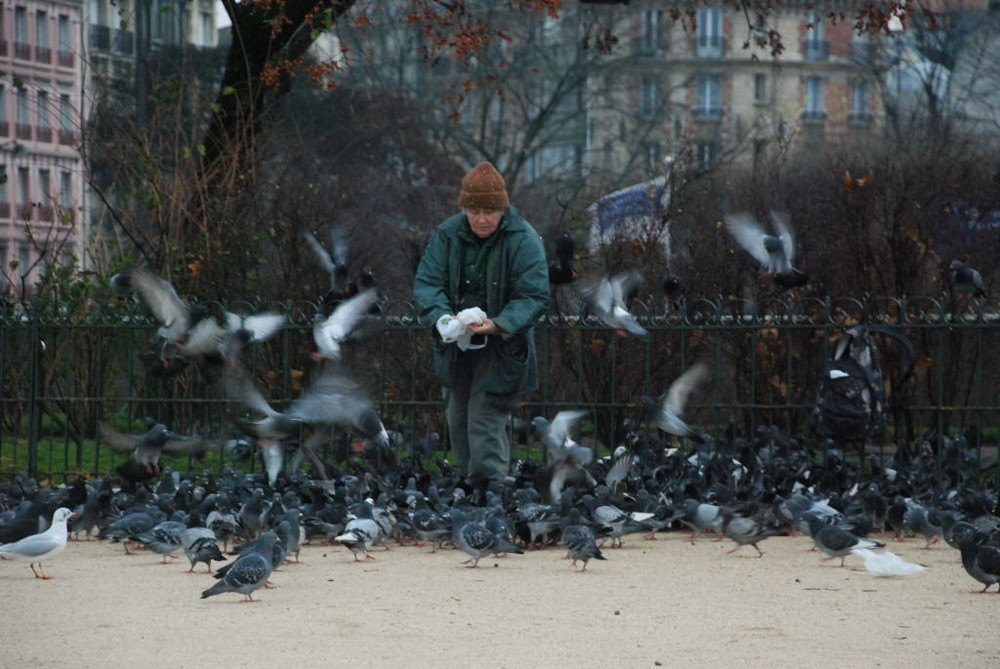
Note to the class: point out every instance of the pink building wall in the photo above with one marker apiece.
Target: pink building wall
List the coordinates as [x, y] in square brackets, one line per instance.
[40, 91]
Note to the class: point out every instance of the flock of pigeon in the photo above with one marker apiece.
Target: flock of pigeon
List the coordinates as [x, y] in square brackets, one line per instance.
[663, 476]
[744, 490]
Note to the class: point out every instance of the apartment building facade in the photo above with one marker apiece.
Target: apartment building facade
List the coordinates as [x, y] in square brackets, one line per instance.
[40, 198]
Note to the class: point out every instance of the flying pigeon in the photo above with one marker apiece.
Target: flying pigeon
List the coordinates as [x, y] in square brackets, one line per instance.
[145, 449]
[608, 300]
[248, 572]
[566, 457]
[668, 414]
[41, 547]
[775, 253]
[966, 280]
[331, 332]
[335, 263]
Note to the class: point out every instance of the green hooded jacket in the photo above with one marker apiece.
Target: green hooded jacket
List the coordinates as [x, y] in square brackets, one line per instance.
[517, 295]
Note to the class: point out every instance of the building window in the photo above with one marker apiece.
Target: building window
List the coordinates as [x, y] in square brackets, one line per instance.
[760, 88]
[815, 46]
[651, 43]
[41, 29]
[65, 44]
[22, 43]
[860, 100]
[207, 29]
[45, 195]
[43, 111]
[708, 96]
[706, 154]
[709, 38]
[22, 118]
[4, 123]
[23, 193]
[65, 189]
[649, 104]
[814, 111]
[3, 268]
[651, 153]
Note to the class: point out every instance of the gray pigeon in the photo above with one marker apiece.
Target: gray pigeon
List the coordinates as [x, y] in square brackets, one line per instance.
[567, 458]
[145, 449]
[331, 332]
[667, 415]
[965, 280]
[980, 558]
[473, 538]
[775, 253]
[200, 545]
[41, 547]
[248, 572]
[747, 531]
[164, 538]
[579, 540]
[835, 541]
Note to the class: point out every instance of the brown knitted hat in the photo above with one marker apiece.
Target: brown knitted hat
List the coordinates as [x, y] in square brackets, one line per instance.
[483, 188]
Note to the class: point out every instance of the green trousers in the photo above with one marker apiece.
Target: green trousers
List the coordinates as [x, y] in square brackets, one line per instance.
[477, 421]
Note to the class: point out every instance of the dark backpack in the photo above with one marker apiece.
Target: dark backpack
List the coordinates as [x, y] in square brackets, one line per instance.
[851, 402]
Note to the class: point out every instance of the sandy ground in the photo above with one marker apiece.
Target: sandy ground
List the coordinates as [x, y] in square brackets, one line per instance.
[668, 602]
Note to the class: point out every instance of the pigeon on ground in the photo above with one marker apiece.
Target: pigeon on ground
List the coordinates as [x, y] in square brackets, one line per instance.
[362, 532]
[613, 521]
[922, 520]
[248, 572]
[966, 280]
[473, 538]
[200, 545]
[747, 531]
[834, 541]
[667, 415]
[42, 547]
[775, 253]
[579, 540]
[980, 558]
[700, 517]
[887, 563]
[539, 520]
[164, 538]
[128, 527]
[331, 332]
[609, 302]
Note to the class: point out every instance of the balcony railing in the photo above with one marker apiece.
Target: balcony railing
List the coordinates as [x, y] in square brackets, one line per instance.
[707, 113]
[860, 118]
[813, 117]
[24, 212]
[44, 135]
[124, 42]
[4, 209]
[22, 51]
[66, 59]
[815, 50]
[24, 131]
[45, 213]
[67, 137]
[43, 54]
[4, 48]
[709, 46]
[5, 128]
[99, 37]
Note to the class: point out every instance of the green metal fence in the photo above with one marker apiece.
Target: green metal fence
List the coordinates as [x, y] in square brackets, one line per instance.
[64, 368]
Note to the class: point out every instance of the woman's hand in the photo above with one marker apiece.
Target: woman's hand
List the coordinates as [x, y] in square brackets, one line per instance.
[487, 327]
